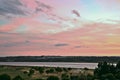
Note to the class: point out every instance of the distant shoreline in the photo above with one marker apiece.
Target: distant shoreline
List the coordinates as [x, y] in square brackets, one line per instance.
[75, 59]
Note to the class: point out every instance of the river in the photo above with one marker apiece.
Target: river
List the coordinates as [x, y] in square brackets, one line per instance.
[52, 64]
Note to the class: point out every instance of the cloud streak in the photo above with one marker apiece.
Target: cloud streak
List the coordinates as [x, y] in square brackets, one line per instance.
[76, 13]
[60, 45]
[12, 7]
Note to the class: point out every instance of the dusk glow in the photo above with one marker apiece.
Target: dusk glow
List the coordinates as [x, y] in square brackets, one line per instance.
[60, 27]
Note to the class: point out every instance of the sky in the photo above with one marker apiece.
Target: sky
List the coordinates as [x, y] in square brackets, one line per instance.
[60, 27]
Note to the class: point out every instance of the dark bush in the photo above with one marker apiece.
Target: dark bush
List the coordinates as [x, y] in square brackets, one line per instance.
[31, 72]
[65, 69]
[18, 78]
[53, 78]
[25, 72]
[5, 77]
[50, 71]
[86, 68]
[69, 69]
[41, 70]
[117, 76]
[65, 77]
[82, 77]
[90, 77]
[74, 77]
[39, 79]
[107, 71]
[58, 69]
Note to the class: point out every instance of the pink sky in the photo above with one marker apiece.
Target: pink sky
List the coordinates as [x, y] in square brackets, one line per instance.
[60, 27]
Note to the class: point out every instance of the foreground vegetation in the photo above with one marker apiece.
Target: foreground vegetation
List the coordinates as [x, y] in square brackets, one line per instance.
[43, 73]
[107, 71]
[104, 71]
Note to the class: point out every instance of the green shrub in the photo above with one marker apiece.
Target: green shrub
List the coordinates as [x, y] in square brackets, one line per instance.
[31, 72]
[65, 77]
[25, 72]
[90, 77]
[69, 69]
[65, 69]
[117, 76]
[86, 68]
[53, 78]
[18, 78]
[41, 70]
[58, 69]
[50, 71]
[74, 77]
[108, 76]
[39, 79]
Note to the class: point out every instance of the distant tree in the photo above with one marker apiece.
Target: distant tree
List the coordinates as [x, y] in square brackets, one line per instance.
[5, 77]
[18, 78]
[53, 78]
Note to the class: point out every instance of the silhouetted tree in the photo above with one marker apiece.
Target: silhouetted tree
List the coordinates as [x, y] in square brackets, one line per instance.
[112, 69]
[107, 71]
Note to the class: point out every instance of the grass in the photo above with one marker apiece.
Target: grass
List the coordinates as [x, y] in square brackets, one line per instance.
[17, 70]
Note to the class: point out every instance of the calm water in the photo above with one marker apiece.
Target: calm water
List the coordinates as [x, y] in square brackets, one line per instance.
[52, 64]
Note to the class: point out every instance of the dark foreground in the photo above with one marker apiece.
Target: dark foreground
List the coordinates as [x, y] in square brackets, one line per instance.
[104, 71]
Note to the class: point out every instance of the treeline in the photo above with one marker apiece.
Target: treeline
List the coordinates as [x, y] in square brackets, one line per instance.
[107, 71]
[59, 59]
